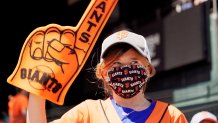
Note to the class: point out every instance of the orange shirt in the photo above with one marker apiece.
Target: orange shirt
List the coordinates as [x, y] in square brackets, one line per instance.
[17, 107]
[102, 111]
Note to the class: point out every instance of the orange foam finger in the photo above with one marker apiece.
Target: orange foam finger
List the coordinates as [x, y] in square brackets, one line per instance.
[36, 45]
[52, 56]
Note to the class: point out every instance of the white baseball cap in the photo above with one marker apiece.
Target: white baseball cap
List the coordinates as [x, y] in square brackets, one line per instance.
[203, 115]
[124, 36]
[135, 40]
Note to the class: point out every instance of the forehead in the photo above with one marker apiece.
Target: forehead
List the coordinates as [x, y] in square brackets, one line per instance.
[132, 54]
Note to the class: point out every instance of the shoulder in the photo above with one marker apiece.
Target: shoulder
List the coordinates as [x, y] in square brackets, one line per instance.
[170, 107]
[172, 111]
[93, 103]
[84, 106]
[96, 100]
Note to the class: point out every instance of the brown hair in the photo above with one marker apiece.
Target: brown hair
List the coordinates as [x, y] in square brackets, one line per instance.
[112, 54]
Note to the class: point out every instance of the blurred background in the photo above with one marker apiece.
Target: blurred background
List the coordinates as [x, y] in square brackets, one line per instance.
[182, 38]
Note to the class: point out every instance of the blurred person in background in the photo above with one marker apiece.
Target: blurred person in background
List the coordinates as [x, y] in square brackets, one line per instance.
[198, 2]
[17, 106]
[204, 117]
[3, 117]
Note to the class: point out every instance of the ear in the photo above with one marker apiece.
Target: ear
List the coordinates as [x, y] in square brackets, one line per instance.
[150, 70]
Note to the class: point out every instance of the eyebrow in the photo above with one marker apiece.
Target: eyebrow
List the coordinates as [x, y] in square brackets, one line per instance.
[134, 58]
[130, 59]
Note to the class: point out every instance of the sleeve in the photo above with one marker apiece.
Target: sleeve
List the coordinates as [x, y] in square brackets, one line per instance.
[181, 119]
[78, 114]
[24, 104]
[176, 115]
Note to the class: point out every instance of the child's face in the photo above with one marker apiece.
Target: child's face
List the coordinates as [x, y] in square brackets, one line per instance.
[130, 57]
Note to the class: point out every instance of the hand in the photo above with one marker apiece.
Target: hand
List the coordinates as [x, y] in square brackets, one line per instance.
[54, 52]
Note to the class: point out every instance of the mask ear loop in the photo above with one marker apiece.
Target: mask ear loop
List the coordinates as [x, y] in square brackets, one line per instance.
[148, 72]
[147, 78]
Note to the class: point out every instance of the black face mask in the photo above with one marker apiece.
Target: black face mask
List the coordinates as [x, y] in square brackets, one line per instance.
[127, 80]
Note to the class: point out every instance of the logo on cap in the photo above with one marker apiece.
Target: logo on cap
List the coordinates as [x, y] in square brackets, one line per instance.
[122, 34]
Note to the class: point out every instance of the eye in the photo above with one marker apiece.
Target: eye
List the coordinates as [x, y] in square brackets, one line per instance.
[134, 62]
[116, 63]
